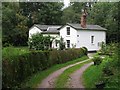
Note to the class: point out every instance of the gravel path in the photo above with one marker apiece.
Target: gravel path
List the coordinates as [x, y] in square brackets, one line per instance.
[75, 80]
[49, 81]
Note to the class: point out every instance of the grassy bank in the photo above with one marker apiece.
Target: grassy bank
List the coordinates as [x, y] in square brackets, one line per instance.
[107, 71]
[36, 79]
[94, 74]
[63, 78]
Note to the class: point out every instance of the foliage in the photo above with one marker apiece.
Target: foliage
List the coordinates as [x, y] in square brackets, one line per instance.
[97, 60]
[62, 44]
[108, 71]
[72, 13]
[111, 71]
[20, 64]
[40, 42]
[10, 51]
[108, 49]
[14, 25]
[42, 12]
[85, 50]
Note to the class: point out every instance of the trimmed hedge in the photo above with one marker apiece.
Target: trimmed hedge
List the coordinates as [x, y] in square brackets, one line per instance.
[19, 67]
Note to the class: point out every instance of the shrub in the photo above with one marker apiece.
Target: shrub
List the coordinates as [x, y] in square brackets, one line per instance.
[97, 60]
[19, 66]
[62, 44]
[108, 49]
[107, 71]
[85, 50]
[40, 42]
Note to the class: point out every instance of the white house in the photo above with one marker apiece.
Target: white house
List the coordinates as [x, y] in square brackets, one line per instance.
[90, 37]
[74, 35]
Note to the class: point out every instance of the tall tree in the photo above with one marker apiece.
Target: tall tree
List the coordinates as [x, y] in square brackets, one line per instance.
[72, 13]
[13, 25]
[42, 12]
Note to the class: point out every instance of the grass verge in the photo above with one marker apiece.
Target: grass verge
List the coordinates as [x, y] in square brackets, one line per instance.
[93, 74]
[34, 80]
[63, 78]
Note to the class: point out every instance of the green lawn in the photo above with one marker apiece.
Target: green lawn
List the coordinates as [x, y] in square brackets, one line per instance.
[63, 78]
[36, 79]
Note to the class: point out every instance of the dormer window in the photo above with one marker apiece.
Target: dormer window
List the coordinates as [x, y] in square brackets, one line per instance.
[68, 30]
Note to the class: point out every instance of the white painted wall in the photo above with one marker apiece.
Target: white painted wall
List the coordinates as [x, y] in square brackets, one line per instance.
[84, 39]
[72, 37]
[34, 30]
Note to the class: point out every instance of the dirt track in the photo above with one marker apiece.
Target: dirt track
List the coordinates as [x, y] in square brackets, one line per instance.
[49, 81]
[75, 80]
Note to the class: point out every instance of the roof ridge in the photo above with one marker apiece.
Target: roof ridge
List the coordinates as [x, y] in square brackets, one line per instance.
[80, 24]
[74, 25]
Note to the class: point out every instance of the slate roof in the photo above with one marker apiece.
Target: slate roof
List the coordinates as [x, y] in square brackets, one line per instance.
[45, 27]
[54, 29]
[42, 27]
[88, 27]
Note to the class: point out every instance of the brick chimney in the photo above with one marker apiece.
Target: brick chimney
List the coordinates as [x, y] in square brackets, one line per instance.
[83, 18]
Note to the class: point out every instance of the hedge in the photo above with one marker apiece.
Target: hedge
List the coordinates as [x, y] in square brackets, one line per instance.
[19, 67]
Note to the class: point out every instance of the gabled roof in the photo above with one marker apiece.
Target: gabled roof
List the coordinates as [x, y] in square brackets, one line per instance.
[88, 27]
[54, 29]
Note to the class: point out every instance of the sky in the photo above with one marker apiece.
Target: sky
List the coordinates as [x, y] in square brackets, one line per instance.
[66, 3]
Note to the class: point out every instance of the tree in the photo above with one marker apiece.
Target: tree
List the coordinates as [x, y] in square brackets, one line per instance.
[72, 13]
[42, 12]
[13, 25]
